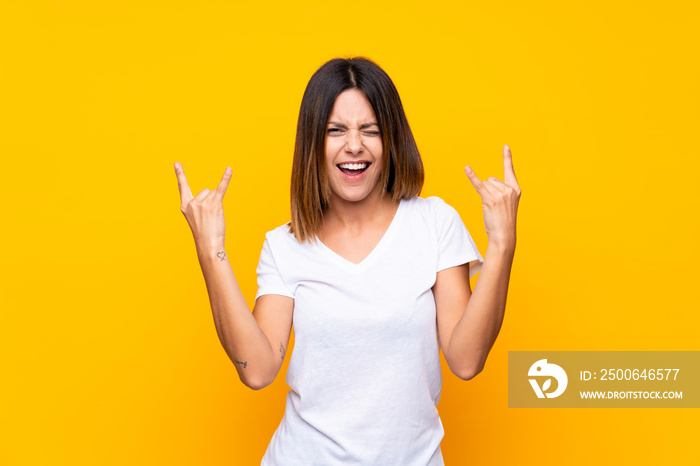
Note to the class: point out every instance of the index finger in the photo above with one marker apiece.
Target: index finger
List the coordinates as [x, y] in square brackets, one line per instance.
[476, 182]
[223, 185]
[508, 170]
[182, 186]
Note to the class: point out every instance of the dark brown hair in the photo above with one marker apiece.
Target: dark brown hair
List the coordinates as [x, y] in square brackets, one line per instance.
[402, 172]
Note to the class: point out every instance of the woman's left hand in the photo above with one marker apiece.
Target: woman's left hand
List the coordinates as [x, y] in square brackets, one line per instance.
[500, 202]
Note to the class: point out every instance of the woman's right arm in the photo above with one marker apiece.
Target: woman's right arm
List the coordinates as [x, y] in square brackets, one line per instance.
[257, 342]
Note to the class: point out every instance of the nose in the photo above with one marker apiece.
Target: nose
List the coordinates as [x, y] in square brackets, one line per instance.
[353, 142]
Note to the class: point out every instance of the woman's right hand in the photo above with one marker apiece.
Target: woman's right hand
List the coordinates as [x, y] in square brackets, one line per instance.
[204, 212]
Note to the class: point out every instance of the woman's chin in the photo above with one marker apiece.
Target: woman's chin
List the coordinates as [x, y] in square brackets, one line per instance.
[354, 197]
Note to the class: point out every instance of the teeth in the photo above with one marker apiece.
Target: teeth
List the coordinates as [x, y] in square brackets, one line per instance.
[353, 166]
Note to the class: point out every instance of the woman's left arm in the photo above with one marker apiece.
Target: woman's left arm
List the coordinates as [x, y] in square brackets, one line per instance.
[468, 323]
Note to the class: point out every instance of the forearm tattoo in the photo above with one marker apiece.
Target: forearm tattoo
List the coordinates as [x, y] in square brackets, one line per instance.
[242, 363]
[221, 255]
[282, 350]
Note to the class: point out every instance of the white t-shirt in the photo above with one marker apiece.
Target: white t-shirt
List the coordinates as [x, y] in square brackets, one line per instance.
[364, 375]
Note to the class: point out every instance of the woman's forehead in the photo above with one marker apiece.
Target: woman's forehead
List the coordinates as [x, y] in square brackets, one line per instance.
[352, 105]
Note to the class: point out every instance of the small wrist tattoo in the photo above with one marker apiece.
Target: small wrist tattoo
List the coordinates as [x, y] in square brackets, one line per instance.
[221, 255]
[282, 352]
[242, 363]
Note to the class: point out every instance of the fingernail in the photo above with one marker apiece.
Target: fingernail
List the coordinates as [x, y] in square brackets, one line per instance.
[228, 170]
[177, 165]
[468, 169]
[507, 147]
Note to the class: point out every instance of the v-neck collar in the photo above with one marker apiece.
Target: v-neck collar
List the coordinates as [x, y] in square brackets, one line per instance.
[372, 256]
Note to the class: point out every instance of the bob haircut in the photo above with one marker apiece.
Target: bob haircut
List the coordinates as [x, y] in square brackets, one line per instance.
[402, 173]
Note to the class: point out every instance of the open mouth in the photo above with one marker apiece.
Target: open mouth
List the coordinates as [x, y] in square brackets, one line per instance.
[353, 169]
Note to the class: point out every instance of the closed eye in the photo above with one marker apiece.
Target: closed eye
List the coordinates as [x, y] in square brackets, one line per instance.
[337, 131]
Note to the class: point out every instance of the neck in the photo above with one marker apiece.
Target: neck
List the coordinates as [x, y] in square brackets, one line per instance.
[356, 215]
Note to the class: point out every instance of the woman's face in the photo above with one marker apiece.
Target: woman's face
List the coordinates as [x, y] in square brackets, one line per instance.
[353, 147]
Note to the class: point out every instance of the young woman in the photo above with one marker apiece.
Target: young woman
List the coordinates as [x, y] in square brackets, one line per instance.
[374, 279]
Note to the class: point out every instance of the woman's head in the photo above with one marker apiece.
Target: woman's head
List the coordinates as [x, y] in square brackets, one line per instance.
[357, 92]
[353, 149]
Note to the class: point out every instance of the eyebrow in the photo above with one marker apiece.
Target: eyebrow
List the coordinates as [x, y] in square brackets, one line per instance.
[366, 125]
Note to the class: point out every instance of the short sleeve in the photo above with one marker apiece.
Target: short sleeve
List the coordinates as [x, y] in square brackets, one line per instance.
[270, 280]
[455, 244]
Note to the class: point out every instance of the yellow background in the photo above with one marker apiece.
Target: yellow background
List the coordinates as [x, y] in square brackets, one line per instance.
[109, 350]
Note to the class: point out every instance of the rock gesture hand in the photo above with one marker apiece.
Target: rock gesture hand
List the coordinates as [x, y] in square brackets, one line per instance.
[500, 202]
[205, 212]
